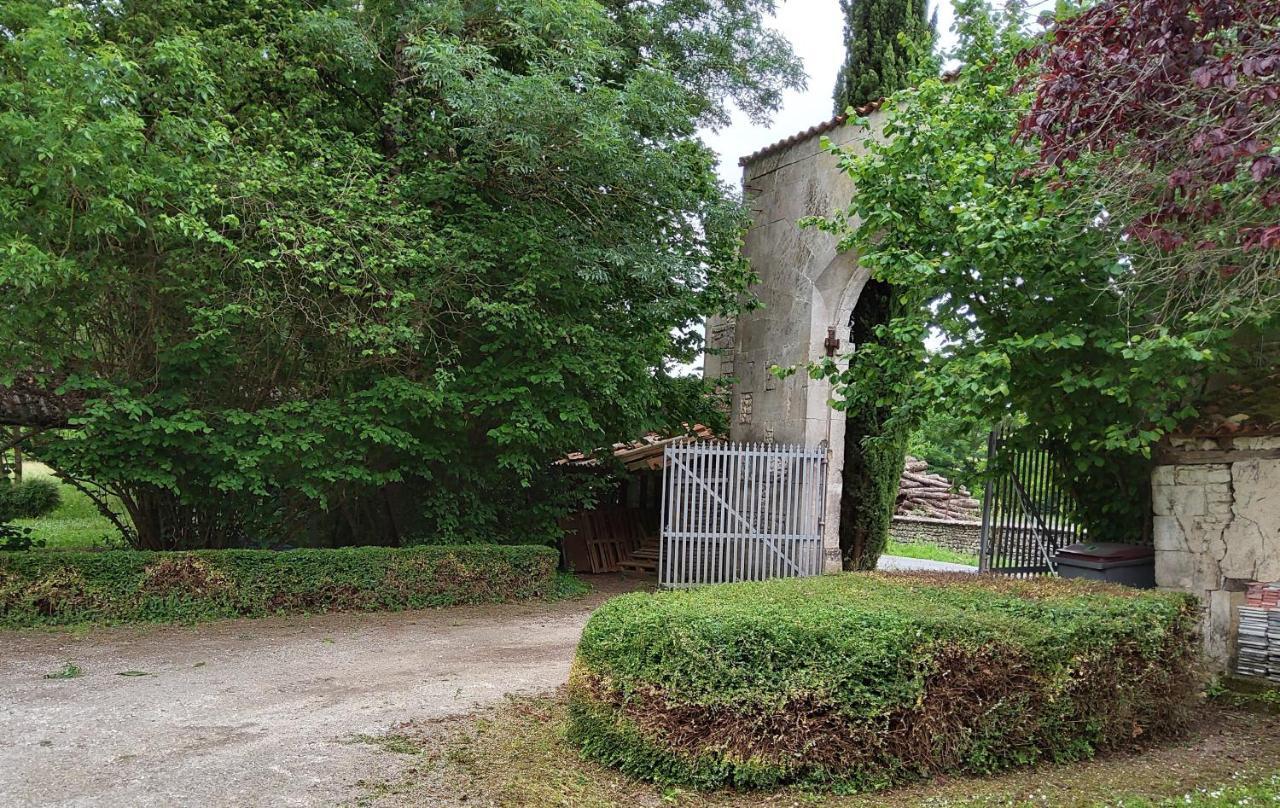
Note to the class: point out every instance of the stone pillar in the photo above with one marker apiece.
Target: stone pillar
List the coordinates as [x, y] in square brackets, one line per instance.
[1216, 526]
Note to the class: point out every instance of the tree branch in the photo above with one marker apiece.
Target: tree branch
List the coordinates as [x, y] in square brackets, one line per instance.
[22, 436]
[103, 508]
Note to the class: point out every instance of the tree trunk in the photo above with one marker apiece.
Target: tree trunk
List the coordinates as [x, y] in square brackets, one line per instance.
[164, 522]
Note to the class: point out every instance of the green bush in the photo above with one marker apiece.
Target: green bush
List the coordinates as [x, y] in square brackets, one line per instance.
[29, 499]
[860, 681]
[127, 586]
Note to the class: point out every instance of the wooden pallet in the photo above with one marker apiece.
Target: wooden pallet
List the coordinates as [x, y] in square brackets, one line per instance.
[608, 540]
[643, 559]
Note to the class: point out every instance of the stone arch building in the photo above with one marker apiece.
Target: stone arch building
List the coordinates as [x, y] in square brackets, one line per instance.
[808, 290]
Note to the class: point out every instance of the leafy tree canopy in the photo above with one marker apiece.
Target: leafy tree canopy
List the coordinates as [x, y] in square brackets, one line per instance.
[280, 262]
[1175, 108]
[1016, 272]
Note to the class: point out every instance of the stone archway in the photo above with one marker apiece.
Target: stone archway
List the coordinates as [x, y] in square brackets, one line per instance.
[861, 483]
[835, 295]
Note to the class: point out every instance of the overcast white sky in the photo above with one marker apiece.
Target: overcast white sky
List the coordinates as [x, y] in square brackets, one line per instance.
[816, 31]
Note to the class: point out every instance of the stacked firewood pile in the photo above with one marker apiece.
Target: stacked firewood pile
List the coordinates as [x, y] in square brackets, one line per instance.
[922, 493]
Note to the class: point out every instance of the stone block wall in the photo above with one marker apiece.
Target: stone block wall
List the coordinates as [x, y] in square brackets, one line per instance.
[721, 340]
[1216, 527]
[963, 537]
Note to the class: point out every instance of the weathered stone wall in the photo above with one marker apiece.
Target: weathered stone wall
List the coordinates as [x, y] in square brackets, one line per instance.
[806, 286]
[963, 537]
[1217, 526]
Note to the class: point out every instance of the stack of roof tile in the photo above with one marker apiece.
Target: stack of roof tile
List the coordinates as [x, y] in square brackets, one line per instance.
[1253, 642]
[1258, 634]
[1264, 595]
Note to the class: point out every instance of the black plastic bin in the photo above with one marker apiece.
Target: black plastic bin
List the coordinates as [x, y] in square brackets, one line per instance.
[1128, 564]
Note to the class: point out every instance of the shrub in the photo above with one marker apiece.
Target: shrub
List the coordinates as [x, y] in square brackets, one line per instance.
[128, 586]
[859, 681]
[29, 499]
[15, 537]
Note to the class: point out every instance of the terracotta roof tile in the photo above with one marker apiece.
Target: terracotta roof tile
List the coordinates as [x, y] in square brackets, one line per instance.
[639, 454]
[823, 128]
[1250, 406]
[817, 129]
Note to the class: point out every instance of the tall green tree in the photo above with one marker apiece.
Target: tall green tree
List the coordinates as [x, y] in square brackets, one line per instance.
[339, 271]
[1017, 274]
[886, 43]
[875, 440]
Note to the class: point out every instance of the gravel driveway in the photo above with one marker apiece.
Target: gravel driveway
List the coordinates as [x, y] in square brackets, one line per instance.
[904, 564]
[262, 712]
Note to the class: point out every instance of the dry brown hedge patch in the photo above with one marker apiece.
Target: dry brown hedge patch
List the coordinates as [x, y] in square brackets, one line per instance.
[44, 588]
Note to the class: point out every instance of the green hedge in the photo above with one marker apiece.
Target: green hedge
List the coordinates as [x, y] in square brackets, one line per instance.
[125, 586]
[860, 681]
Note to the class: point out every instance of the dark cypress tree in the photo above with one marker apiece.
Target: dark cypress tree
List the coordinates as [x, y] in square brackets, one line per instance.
[874, 452]
[876, 62]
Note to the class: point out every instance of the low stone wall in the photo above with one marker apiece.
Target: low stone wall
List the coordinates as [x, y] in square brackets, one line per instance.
[963, 537]
[1216, 526]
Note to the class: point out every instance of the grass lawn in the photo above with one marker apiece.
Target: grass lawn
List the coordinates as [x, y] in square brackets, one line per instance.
[516, 755]
[75, 524]
[931, 552]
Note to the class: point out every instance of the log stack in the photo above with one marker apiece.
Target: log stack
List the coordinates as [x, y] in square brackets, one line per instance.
[923, 493]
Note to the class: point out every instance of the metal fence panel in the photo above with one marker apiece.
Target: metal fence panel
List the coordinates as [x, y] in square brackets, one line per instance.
[1027, 516]
[741, 512]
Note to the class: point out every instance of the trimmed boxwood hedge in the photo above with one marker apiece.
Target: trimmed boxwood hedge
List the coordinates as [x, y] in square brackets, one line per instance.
[48, 588]
[860, 681]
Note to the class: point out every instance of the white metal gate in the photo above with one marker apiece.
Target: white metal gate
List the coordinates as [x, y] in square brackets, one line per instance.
[741, 512]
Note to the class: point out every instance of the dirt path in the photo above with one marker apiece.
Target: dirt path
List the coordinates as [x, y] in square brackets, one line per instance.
[262, 712]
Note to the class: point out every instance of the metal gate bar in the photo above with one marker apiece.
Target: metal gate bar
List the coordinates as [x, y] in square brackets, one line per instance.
[1027, 516]
[740, 512]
